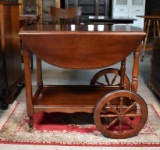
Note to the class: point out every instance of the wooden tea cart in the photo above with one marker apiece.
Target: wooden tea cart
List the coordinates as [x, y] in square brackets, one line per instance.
[118, 111]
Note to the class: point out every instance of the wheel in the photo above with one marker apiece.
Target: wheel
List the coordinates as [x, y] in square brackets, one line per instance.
[122, 120]
[102, 78]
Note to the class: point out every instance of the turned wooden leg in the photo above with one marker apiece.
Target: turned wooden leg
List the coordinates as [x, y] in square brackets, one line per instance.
[135, 70]
[39, 73]
[123, 70]
[28, 79]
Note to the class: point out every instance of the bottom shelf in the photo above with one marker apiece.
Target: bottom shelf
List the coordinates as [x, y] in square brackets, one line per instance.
[69, 99]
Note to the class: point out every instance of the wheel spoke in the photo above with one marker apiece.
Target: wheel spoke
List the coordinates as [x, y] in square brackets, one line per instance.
[133, 115]
[114, 79]
[114, 110]
[128, 122]
[99, 83]
[130, 107]
[121, 104]
[112, 123]
[108, 115]
[107, 80]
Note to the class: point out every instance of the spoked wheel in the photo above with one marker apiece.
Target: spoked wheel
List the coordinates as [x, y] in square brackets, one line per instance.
[122, 119]
[109, 77]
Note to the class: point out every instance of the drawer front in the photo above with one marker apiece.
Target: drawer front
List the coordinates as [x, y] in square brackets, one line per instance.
[116, 14]
[121, 9]
[137, 10]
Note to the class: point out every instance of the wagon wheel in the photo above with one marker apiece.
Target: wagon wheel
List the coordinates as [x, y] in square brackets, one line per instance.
[102, 78]
[120, 120]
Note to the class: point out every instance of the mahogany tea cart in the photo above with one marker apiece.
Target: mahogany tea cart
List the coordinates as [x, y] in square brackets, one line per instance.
[118, 111]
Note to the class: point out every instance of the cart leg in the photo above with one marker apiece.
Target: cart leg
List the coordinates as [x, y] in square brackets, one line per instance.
[135, 70]
[30, 124]
[27, 72]
[122, 72]
[39, 73]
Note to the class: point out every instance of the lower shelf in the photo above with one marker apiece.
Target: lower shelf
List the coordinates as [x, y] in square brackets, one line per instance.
[69, 99]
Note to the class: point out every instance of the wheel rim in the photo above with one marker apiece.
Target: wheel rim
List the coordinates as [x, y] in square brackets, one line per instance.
[103, 75]
[121, 120]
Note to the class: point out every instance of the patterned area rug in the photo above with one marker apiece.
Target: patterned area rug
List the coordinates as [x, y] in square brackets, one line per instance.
[71, 129]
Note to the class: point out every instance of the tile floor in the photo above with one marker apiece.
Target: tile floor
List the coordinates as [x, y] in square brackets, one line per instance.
[63, 76]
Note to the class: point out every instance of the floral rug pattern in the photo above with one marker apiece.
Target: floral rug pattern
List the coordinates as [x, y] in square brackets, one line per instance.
[61, 130]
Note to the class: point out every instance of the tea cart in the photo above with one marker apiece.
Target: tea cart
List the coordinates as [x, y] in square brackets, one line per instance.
[118, 111]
